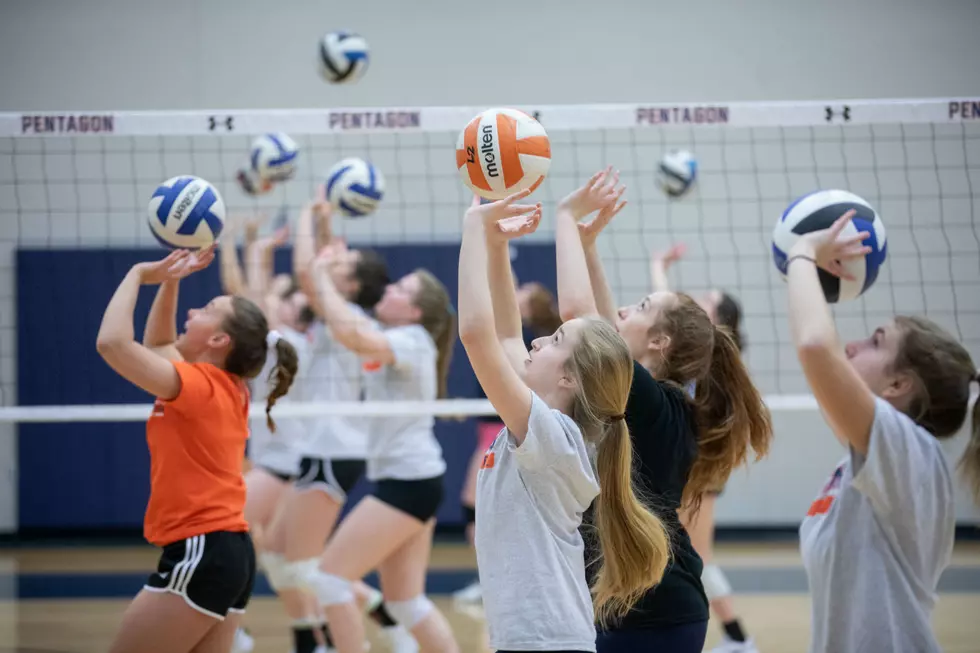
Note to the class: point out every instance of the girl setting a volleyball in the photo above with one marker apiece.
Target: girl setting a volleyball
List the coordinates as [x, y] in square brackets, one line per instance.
[693, 416]
[391, 530]
[879, 535]
[724, 310]
[565, 444]
[196, 435]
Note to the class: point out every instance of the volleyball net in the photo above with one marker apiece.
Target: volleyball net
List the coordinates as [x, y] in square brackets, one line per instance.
[74, 188]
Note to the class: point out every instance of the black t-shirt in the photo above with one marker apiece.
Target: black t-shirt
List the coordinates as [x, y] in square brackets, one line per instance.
[662, 429]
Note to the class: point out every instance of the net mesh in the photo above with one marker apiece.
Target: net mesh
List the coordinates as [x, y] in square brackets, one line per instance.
[83, 181]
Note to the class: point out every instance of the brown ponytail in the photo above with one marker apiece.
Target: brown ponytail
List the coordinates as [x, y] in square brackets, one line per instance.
[281, 377]
[732, 419]
[633, 541]
[970, 462]
[731, 416]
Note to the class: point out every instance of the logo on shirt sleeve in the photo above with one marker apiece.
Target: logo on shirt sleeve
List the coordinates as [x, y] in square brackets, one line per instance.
[371, 366]
[821, 505]
[488, 460]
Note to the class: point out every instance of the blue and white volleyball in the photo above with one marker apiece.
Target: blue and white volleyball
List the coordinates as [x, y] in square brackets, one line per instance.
[250, 183]
[819, 210]
[677, 172]
[343, 57]
[273, 157]
[186, 212]
[355, 187]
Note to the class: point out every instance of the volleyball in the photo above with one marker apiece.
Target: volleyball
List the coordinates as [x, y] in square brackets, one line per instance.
[273, 157]
[355, 187]
[186, 212]
[502, 152]
[819, 210]
[343, 57]
[677, 172]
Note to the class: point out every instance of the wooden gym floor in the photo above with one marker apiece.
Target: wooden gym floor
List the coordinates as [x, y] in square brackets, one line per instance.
[61, 600]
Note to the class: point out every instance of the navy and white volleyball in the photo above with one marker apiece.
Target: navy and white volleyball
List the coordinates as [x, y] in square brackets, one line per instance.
[355, 187]
[273, 157]
[186, 212]
[819, 210]
[677, 172]
[343, 57]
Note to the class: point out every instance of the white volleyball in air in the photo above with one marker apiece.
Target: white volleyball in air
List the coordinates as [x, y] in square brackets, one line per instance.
[677, 172]
[186, 212]
[343, 57]
[819, 210]
[501, 152]
[355, 187]
[273, 157]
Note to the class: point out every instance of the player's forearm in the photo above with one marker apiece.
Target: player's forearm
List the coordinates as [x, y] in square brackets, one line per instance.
[601, 291]
[575, 294]
[475, 309]
[161, 325]
[506, 312]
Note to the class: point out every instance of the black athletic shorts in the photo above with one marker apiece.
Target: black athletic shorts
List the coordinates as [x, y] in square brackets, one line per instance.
[214, 573]
[334, 477]
[419, 498]
[282, 476]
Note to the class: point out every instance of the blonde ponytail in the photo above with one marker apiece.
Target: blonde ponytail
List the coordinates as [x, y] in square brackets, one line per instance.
[634, 542]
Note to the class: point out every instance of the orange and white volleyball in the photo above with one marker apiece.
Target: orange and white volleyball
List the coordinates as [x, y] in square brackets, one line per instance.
[502, 152]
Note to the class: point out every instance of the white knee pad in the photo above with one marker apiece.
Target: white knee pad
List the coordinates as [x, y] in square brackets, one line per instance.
[296, 574]
[715, 584]
[329, 589]
[274, 566]
[409, 613]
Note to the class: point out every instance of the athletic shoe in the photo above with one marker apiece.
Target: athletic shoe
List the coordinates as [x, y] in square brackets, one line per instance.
[731, 646]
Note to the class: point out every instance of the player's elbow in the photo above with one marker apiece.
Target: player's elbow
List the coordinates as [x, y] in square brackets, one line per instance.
[108, 346]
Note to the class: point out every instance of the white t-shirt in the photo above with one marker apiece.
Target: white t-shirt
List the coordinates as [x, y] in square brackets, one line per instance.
[280, 451]
[335, 375]
[876, 540]
[404, 448]
[529, 505]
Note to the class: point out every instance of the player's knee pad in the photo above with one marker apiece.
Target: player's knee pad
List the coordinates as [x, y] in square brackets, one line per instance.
[409, 613]
[274, 566]
[715, 583]
[297, 574]
[329, 589]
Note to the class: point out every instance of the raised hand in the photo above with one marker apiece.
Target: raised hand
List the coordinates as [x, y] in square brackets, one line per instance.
[505, 218]
[670, 255]
[176, 265]
[589, 231]
[597, 193]
[829, 249]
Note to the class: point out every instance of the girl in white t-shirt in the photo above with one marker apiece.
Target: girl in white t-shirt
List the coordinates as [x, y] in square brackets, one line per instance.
[273, 455]
[565, 443]
[877, 538]
[407, 360]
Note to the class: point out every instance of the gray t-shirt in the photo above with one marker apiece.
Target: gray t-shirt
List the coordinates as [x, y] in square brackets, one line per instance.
[400, 447]
[876, 540]
[529, 506]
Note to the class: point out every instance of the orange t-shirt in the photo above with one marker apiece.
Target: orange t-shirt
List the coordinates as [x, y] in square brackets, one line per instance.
[197, 444]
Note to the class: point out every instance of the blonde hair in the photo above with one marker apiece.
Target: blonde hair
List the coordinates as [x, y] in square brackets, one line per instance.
[439, 319]
[634, 544]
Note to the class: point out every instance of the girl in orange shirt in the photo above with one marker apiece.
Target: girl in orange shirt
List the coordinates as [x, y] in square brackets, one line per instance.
[196, 436]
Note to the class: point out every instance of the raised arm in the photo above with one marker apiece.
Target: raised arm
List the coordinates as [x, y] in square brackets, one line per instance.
[477, 331]
[229, 267]
[660, 263]
[845, 400]
[506, 311]
[348, 327]
[579, 293]
[160, 332]
[116, 341]
[305, 246]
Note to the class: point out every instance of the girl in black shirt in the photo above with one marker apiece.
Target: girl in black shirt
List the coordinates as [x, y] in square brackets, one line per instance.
[693, 414]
